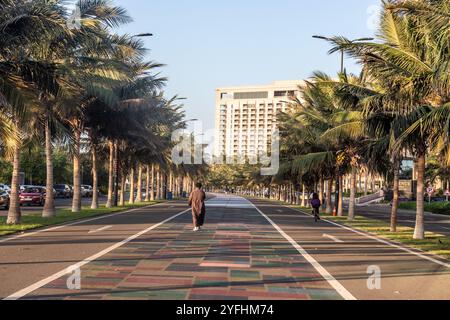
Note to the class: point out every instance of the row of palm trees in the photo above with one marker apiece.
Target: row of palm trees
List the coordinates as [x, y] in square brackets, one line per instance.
[398, 106]
[73, 81]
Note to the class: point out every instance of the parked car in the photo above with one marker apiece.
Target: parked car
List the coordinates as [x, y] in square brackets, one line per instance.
[5, 188]
[71, 191]
[4, 199]
[87, 191]
[22, 188]
[32, 196]
[63, 191]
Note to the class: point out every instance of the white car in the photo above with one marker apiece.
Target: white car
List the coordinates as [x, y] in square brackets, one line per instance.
[87, 191]
[5, 188]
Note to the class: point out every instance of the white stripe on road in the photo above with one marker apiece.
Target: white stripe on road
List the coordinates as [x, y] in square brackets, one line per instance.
[100, 229]
[323, 272]
[423, 256]
[20, 294]
[329, 236]
[27, 234]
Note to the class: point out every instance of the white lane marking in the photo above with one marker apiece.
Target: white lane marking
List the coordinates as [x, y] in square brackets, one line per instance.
[279, 210]
[20, 294]
[446, 228]
[100, 229]
[329, 236]
[423, 256]
[323, 272]
[27, 234]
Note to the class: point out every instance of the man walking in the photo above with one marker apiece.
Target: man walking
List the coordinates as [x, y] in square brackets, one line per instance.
[197, 203]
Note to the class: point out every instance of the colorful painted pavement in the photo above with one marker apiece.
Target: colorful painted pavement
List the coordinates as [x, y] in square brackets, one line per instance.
[237, 256]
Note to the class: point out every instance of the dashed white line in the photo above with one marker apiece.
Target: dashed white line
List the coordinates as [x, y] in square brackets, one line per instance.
[329, 236]
[100, 229]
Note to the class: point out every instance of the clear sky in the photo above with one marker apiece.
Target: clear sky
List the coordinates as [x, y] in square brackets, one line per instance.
[211, 43]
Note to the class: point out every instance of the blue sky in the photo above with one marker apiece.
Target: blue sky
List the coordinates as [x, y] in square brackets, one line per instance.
[209, 43]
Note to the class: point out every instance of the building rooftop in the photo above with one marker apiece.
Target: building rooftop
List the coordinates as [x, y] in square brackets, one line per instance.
[274, 85]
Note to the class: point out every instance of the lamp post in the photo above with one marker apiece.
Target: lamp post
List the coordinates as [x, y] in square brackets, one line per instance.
[142, 35]
[116, 173]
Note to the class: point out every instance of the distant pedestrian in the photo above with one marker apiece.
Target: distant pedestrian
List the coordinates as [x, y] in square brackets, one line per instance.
[197, 203]
[316, 204]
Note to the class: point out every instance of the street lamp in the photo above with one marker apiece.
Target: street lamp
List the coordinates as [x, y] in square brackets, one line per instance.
[342, 49]
[142, 35]
[116, 173]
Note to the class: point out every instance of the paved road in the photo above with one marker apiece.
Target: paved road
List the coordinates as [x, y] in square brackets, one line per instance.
[247, 250]
[59, 204]
[434, 222]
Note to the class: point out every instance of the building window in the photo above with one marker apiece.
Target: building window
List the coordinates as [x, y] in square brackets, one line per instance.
[226, 96]
[280, 94]
[251, 95]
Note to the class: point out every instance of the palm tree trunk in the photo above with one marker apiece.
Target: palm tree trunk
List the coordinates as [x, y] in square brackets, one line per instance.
[139, 185]
[419, 232]
[395, 199]
[322, 189]
[109, 202]
[329, 200]
[158, 184]
[303, 196]
[76, 201]
[147, 184]
[365, 182]
[152, 195]
[122, 189]
[165, 186]
[340, 211]
[49, 207]
[131, 200]
[94, 204]
[14, 213]
[351, 208]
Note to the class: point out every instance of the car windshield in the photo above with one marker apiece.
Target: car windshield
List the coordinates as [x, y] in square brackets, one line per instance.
[33, 190]
[60, 186]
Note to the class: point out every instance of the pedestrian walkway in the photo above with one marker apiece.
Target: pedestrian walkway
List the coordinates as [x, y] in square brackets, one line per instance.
[239, 255]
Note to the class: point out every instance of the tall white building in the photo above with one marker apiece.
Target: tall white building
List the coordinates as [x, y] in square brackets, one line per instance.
[246, 117]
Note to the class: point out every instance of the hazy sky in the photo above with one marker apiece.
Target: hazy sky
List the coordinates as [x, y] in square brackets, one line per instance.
[211, 43]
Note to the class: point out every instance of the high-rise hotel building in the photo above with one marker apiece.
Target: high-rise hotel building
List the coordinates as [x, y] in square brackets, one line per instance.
[246, 117]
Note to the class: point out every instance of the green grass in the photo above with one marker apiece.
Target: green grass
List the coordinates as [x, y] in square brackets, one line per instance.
[35, 221]
[434, 243]
[434, 207]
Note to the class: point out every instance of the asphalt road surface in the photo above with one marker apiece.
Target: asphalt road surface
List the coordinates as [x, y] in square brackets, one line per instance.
[247, 250]
[434, 222]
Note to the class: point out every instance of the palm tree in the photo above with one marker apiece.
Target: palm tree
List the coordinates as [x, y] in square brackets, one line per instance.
[411, 54]
[26, 26]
